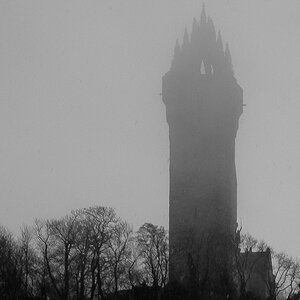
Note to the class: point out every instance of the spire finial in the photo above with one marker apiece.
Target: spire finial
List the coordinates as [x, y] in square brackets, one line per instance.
[211, 27]
[194, 31]
[176, 49]
[228, 58]
[203, 15]
[176, 53]
[219, 41]
[194, 25]
[185, 39]
[227, 53]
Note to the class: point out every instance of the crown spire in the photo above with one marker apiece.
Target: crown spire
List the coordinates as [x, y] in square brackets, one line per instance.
[176, 48]
[203, 45]
[228, 58]
[194, 34]
[194, 25]
[176, 54]
[227, 53]
[185, 39]
[203, 15]
[219, 41]
[211, 27]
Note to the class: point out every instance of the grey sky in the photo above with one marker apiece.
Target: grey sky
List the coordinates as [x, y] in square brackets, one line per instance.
[82, 122]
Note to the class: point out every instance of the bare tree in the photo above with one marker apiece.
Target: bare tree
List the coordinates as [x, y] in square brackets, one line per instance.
[76, 250]
[153, 247]
[119, 246]
[286, 276]
[99, 221]
[82, 254]
[279, 273]
[134, 271]
[64, 233]
[293, 283]
[28, 259]
[45, 243]
[10, 274]
[245, 262]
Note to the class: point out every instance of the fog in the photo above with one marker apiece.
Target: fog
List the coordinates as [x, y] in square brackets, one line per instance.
[82, 121]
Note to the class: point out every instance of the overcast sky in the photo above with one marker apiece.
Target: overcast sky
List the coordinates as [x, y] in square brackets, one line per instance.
[82, 122]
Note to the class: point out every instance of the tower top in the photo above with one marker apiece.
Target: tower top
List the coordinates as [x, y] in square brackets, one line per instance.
[203, 47]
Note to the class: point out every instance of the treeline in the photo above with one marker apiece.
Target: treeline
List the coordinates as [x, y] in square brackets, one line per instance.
[88, 254]
[92, 254]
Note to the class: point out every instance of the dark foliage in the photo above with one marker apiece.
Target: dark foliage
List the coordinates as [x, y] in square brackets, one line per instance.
[93, 254]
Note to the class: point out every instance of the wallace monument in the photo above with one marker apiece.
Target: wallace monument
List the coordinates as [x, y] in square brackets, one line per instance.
[203, 104]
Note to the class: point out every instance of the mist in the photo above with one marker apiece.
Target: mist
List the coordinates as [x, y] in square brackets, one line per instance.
[82, 120]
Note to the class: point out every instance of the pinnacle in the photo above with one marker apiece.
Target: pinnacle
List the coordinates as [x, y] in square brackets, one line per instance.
[220, 41]
[203, 15]
[203, 44]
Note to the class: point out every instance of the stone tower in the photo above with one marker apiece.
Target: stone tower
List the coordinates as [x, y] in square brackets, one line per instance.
[203, 105]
